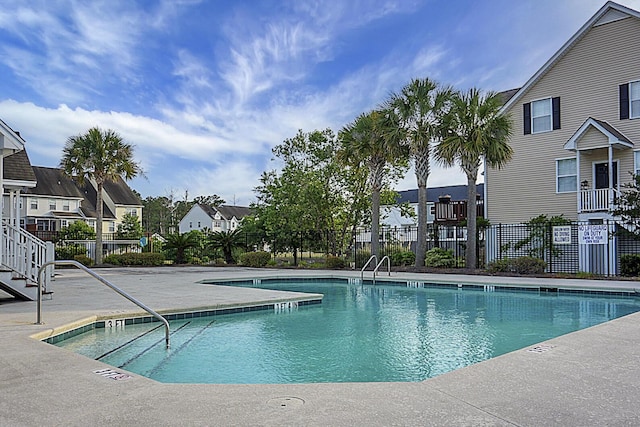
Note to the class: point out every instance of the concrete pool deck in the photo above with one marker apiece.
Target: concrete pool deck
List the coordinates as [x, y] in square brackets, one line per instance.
[590, 377]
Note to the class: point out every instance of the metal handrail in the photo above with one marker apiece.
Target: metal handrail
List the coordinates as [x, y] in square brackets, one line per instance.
[366, 264]
[375, 270]
[104, 282]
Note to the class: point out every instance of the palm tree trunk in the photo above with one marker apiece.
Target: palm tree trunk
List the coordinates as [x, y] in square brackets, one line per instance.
[100, 212]
[471, 255]
[375, 222]
[421, 162]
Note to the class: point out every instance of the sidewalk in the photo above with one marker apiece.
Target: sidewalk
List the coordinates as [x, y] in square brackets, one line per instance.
[590, 377]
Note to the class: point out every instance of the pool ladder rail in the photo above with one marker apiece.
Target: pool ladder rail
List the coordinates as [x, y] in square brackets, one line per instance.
[377, 266]
[104, 282]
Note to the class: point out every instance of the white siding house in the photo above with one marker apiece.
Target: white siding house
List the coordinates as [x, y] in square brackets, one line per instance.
[204, 217]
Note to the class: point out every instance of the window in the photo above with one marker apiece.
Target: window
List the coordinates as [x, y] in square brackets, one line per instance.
[33, 204]
[112, 227]
[566, 177]
[132, 211]
[190, 224]
[52, 205]
[65, 205]
[636, 162]
[64, 223]
[542, 115]
[199, 224]
[634, 99]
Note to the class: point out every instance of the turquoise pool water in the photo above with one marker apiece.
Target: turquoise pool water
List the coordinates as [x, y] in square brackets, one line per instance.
[360, 333]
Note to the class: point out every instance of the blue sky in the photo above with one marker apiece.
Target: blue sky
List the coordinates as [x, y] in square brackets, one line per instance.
[205, 89]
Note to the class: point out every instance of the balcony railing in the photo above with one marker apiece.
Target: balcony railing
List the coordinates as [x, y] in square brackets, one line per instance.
[597, 200]
[455, 211]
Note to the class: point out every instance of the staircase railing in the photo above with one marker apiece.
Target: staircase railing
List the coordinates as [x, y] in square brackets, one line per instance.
[24, 253]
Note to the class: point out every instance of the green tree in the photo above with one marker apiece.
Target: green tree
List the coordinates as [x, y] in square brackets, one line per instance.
[627, 208]
[212, 200]
[100, 156]
[130, 227]
[156, 214]
[179, 243]
[471, 131]
[420, 106]
[375, 140]
[77, 230]
[227, 241]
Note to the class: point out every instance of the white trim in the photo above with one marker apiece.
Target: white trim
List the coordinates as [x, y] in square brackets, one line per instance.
[565, 47]
[566, 176]
[533, 131]
[636, 164]
[572, 143]
[631, 116]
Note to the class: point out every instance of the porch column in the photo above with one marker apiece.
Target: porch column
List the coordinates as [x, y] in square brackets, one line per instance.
[578, 183]
[610, 167]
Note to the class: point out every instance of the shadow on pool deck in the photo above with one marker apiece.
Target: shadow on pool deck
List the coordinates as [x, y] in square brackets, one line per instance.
[590, 377]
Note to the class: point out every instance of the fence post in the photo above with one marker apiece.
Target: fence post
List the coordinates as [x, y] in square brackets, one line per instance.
[550, 240]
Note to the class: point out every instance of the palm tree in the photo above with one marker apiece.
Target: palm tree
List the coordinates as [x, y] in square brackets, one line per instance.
[420, 106]
[471, 131]
[227, 241]
[100, 156]
[180, 243]
[374, 139]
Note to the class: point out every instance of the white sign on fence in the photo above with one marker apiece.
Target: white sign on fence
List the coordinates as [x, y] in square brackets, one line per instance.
[593, 234]
[561, 234]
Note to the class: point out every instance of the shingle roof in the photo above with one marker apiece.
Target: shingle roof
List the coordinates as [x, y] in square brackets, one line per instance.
[18, 167]
[121, 193]
[457, 192]
[52, 182]
[88, 204]
[506, 95]
[234, 211]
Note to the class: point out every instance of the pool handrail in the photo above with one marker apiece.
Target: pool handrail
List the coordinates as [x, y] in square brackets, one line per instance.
[104, 282]
[375, 270]
[366, 264]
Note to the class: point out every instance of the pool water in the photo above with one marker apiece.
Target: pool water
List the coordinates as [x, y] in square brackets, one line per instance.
[360, 333]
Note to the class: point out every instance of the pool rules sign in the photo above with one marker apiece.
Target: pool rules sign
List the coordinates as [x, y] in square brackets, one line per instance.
[593, 234]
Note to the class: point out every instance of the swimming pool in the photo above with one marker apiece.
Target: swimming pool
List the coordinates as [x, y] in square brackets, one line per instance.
[360, 333]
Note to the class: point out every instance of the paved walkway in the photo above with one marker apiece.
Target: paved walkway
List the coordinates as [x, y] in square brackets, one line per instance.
[587, 378]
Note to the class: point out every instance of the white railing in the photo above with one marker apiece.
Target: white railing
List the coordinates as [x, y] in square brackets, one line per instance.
[597, 200]
[24, 253]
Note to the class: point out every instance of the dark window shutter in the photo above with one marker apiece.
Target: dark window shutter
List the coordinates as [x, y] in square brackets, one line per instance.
[527, 118]
[555, 108]
[624, 101]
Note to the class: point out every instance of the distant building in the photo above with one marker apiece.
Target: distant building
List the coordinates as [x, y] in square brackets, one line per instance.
[221, 218]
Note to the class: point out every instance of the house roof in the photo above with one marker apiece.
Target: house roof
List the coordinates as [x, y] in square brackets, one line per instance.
[457, 192]
[12, 139]
[17, 167]
[506, 95]
[614, 136]
[229, 212]
[53, 182]
[610, 12]
[121, 193]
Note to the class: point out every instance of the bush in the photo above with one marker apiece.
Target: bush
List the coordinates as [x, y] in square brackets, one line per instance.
[133, 258]
[361, 258]
[522, 265]
[630, 265]
[334, 262]
[84, 260]
[402, 258]
[439, 258]
[70, 251]
[255, 259]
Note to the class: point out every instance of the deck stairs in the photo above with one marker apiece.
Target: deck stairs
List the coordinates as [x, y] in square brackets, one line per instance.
[20, 260]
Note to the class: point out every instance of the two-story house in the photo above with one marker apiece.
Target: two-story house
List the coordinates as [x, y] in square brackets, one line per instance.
[576, 128]
[221, 218]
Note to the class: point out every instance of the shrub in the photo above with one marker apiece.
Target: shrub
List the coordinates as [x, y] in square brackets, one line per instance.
[361, 258]
[630, 265]
[133, 258]
[255, 259]
[439, 258]
[402, 258]
[522, 265]
[84, 260]
[334, 262]
[70, 251]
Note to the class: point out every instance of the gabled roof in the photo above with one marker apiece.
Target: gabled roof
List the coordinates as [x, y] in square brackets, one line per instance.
[53, 182]
[121, 193]
[610, 12]
[457, 192]
[12, 139]
[88, 204]
[229, 212]
[17, 167]
[614, 136]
